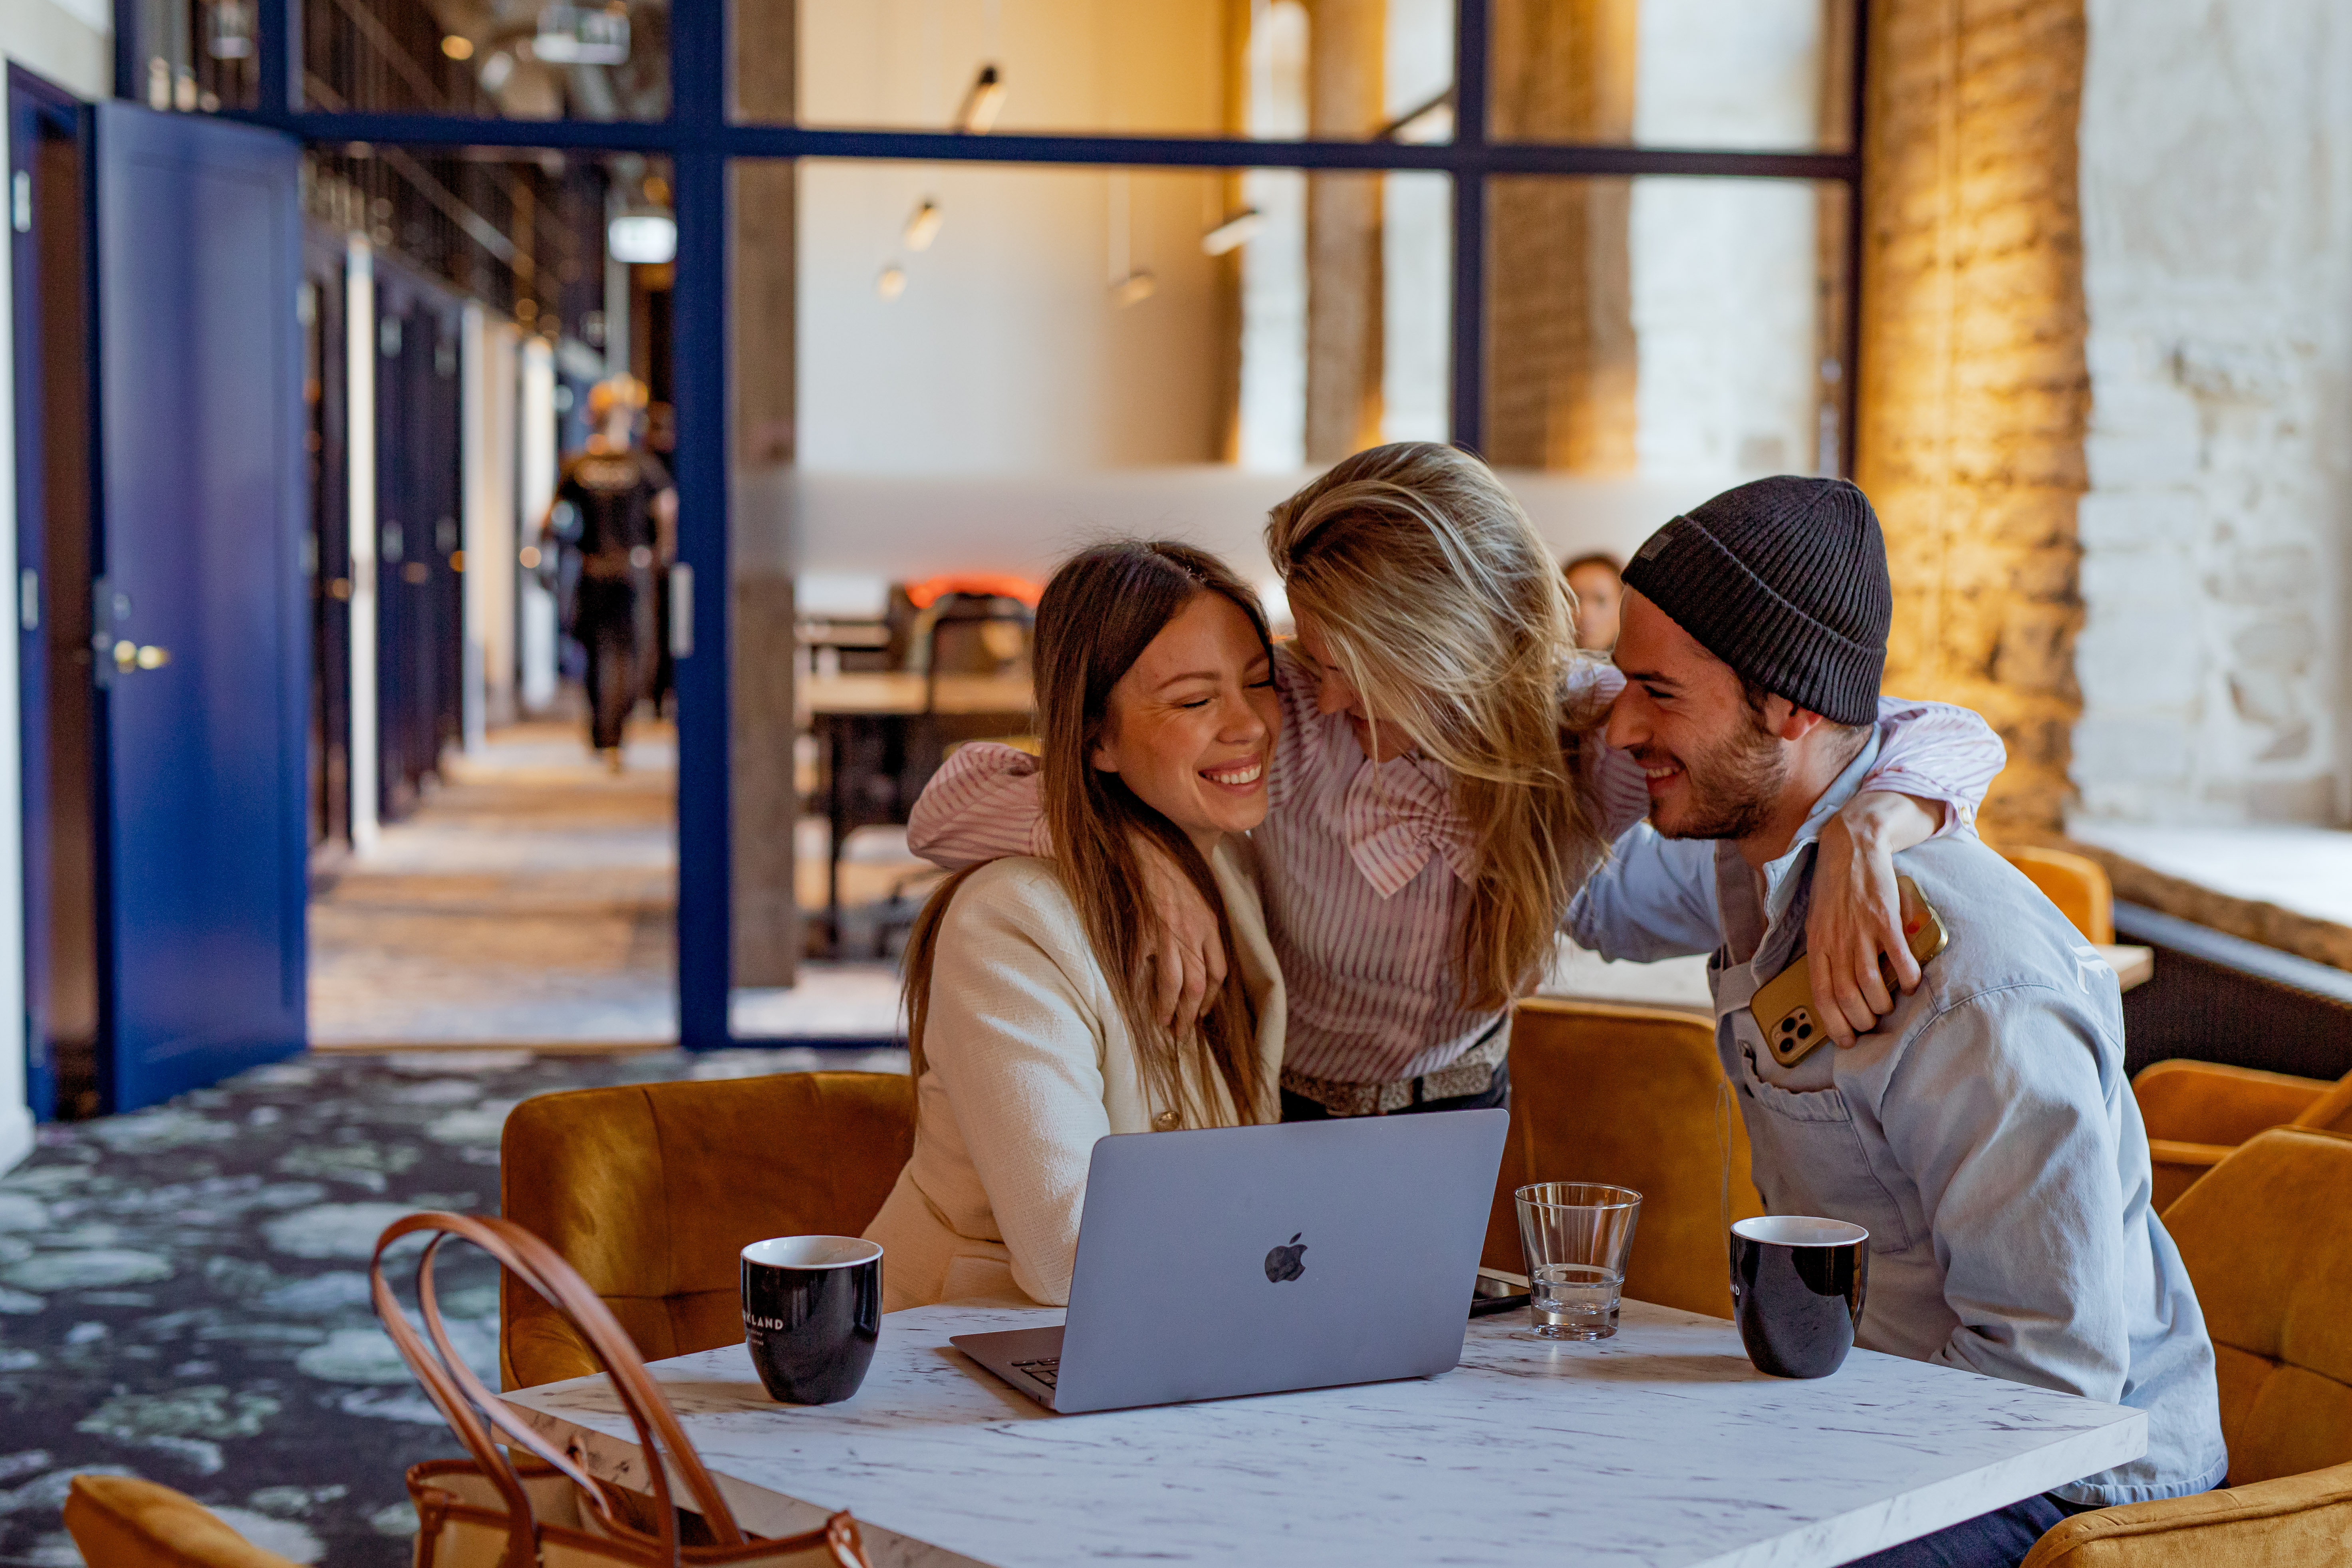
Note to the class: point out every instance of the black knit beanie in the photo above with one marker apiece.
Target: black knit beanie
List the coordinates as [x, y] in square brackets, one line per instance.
[1784, 580]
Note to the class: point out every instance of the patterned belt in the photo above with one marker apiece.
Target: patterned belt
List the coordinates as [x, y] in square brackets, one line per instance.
[1468, 1073]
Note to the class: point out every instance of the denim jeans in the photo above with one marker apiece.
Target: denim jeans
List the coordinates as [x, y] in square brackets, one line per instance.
[1997, 1539]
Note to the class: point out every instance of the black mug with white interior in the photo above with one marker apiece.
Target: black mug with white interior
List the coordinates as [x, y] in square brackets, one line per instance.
[1797, 1289]
[812, 1314]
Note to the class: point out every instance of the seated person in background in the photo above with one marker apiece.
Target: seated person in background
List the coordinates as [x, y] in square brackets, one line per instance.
[1983, 1133]
[1596, 582]
[1028, 993]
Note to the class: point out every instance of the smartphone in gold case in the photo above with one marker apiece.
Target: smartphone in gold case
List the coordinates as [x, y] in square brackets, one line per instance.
[1784, 1007]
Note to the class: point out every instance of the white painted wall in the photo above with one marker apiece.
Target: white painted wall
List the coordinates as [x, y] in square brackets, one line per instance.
[358, 403]
[71, 45]
[535, 459]
[69, 42]
[888, 527]
[491, 538]
[1007, 353]
[2217, 213]
[1066, 65]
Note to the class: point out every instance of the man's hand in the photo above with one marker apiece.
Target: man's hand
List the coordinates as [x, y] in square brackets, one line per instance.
[1187, 956]
[1857, 915]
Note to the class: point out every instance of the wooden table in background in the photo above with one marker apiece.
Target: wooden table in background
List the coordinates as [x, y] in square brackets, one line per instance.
[882, 733]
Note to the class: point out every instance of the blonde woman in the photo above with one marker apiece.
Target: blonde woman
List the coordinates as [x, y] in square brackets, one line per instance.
[1441, 791]
[1030, 1029]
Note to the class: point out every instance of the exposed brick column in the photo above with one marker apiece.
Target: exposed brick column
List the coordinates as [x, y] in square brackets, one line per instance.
[1564, 360]
[1974, 393]
[1346, 41]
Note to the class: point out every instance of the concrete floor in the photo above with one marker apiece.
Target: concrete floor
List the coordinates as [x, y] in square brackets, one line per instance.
[529, 900]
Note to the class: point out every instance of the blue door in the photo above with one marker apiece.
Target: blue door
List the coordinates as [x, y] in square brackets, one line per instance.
[199, 608]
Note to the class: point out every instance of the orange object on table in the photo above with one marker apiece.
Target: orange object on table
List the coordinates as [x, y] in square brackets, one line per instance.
[1000, 585]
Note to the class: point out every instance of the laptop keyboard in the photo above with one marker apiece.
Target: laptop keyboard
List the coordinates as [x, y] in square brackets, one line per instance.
[1044, 1369]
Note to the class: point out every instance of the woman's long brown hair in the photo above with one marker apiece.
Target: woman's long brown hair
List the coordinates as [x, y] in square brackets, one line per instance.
[1445, 610]
[1098, 613]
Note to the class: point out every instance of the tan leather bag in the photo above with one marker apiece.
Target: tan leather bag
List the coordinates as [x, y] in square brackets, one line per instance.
[496, 1511]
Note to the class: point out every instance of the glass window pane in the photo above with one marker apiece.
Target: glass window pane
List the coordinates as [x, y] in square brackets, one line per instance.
[565, 59]
[459, 314]
[1275, 69]
[960, 374]
[1652, 341]
[526, 231]
[1720, 74]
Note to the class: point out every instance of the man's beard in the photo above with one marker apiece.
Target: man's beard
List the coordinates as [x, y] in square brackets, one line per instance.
[1731, 786]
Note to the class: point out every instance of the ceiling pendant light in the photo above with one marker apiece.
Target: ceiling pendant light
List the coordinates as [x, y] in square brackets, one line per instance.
[1233, 232]
[1129, 284]
[891, 283]
[982, 103]
[923, 225]
[582, 35]
[642, 237]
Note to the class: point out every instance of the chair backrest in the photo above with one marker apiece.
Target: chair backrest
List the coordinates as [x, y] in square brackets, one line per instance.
[120, 1522]
[651, 1191]
[972, 634]
[2266, 1245]
[1603, 1092]
[2077, 884]
[2211, 1102]
[2332, 1111]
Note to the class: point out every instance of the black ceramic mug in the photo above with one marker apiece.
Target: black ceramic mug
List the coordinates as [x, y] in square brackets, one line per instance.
[812, 1313]
[1797, 1289]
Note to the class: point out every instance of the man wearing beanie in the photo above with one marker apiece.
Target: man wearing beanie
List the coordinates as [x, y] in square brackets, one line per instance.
[1983, 1133]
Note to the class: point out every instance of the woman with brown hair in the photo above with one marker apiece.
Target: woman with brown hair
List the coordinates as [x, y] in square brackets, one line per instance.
[1030, 1029]
[1441, 790]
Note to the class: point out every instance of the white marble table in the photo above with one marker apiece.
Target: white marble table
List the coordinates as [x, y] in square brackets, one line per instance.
[1661, 1446]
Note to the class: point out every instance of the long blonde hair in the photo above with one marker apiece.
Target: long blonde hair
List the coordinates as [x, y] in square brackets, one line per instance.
[1446, 611]
[1098, 616]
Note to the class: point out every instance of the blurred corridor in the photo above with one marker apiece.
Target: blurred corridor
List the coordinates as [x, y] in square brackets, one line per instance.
[527, 900]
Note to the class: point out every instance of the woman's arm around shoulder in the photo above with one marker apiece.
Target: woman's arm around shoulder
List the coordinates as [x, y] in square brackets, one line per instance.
[1935, 752]
[982, 804]
[1935, 762]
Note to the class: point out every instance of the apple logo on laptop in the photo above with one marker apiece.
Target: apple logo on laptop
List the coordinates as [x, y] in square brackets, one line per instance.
[1283, 1262]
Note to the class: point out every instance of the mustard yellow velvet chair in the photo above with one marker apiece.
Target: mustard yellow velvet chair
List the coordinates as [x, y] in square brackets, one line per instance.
[2077, 884]
[1602, 1092]
[2267, 1246]
[2197, 1114]
[652, 1189]
[120, 1522]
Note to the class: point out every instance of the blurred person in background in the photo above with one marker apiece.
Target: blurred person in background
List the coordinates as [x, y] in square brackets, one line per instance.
[616, 517]
[1597, 580]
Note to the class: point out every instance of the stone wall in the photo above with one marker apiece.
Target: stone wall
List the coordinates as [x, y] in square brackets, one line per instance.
[1974, 393]
[2217, 202]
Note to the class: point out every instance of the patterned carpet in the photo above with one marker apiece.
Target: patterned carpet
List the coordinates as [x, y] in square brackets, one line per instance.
[183, 1290]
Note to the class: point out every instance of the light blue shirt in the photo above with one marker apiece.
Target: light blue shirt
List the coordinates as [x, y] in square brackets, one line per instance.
[1984, 1133]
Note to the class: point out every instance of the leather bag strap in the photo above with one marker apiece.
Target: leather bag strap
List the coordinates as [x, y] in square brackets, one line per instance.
[467, 1403]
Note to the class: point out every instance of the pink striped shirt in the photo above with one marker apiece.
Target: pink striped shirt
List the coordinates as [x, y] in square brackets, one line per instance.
[1363, 865]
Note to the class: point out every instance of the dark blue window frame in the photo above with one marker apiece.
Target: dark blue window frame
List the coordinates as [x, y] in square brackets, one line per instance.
[700, 139]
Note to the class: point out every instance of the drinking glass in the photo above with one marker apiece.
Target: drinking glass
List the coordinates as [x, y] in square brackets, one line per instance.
[1576, 1236]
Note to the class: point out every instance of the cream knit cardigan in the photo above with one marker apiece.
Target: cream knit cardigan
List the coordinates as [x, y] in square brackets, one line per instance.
[1027, 1060]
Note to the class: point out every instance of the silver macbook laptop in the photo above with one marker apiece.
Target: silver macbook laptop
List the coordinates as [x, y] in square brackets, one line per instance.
[1255, 1259]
